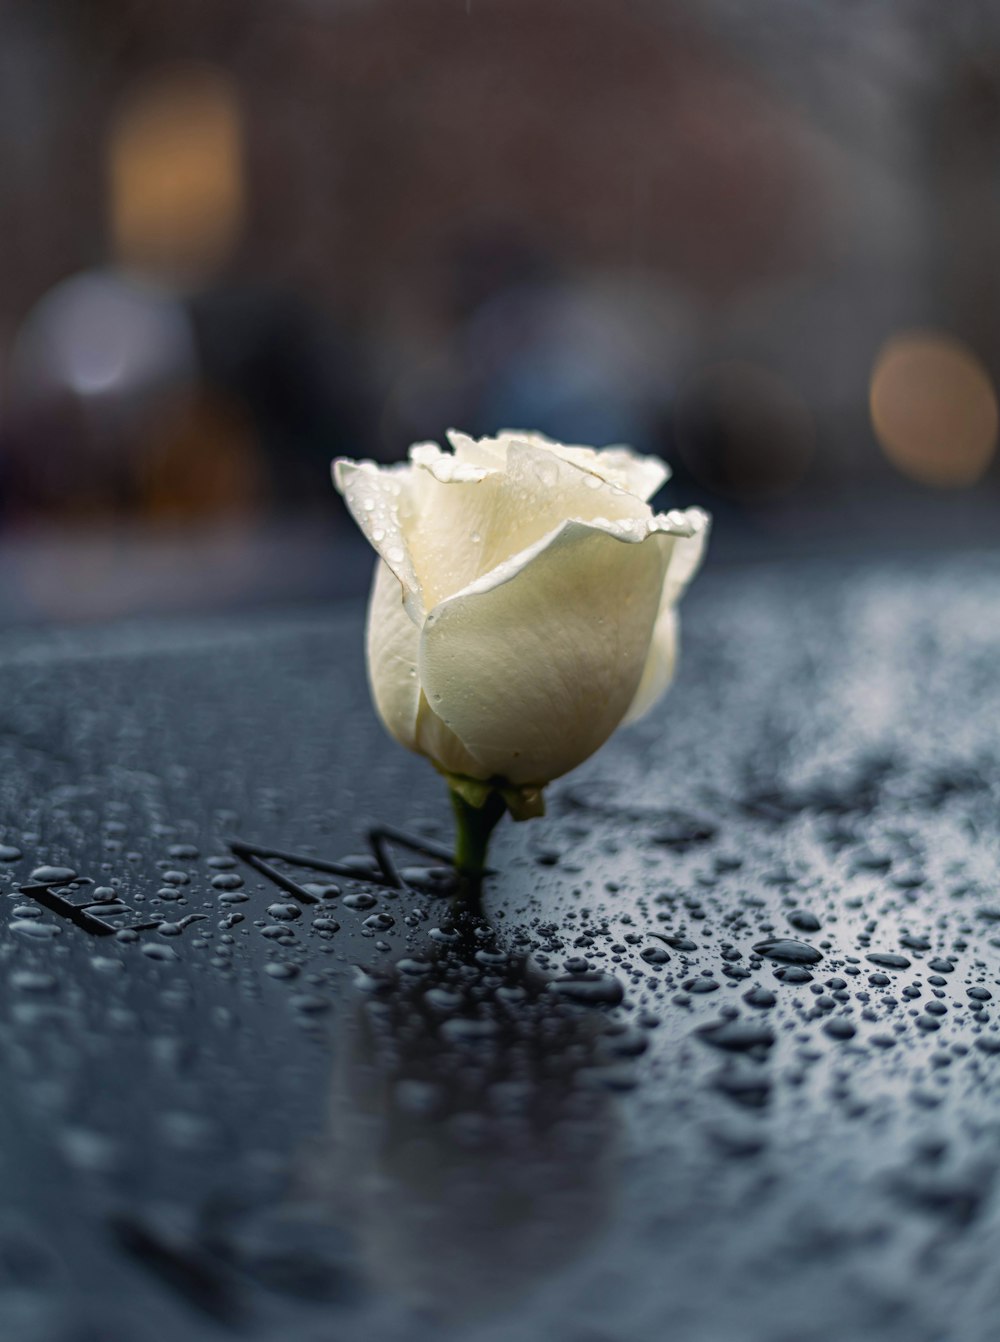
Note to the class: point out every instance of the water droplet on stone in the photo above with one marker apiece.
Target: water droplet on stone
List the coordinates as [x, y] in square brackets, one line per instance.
[24, 927]
[888, 960]
[654, 955]
[590, 989]
[33, 981]
[788, 951]
[840, 1028]
[53, 875]
[941, 966]
[227, 880]
[281, 969]
[155, 950]
[804, 921]
[284, 912]
[793, 974]
[760, 997]
[322, 891]
[701, 984]
[738, 1036]
[359, 901]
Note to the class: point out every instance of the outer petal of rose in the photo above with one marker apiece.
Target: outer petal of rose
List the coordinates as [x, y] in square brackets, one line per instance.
[467, 521]
[634, 472]
[620, 466]
[487, 453]
[534, 666]
[687, 552]
[660, 663]
[379, 501]
[685, 559]
[393, 648]
[439, 743]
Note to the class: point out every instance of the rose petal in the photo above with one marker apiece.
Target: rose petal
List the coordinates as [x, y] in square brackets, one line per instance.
[620, 466]
[534, 667]
[393, 650]
[639, 475]
[661, 661]
[691, 526]
[378, 499]
[464, 522]
[446, 468]
[685, 558]
[487, 453]
[439, 743]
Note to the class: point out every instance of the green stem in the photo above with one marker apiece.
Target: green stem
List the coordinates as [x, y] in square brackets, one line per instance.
[473, 827]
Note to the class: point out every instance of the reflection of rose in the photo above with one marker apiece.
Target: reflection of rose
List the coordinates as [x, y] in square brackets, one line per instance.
[524, 600]
[470, 1137]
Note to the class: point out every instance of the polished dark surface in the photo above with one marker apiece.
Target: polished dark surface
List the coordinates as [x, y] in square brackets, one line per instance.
[722, 1065]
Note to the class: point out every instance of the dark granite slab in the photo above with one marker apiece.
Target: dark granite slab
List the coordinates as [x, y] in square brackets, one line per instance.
[725, 1067]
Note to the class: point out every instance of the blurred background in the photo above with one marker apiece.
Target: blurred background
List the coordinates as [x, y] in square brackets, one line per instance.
[240, 237]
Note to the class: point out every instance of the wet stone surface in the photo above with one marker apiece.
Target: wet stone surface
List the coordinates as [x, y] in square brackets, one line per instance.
[722, 1061]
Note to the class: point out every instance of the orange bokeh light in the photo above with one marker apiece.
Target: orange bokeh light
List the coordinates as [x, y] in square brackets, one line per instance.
[175, 157]
[934, 409]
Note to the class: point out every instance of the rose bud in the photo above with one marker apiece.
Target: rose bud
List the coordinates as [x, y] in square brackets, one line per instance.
[523, 607]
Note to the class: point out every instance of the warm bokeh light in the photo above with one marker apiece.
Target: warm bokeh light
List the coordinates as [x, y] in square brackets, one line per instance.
[176, 172]
[744, 432]
[201, 461]
[934, 409]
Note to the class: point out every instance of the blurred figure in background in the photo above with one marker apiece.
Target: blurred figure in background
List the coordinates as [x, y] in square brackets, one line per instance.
[164, 387]
[583, 358]
[242, 238]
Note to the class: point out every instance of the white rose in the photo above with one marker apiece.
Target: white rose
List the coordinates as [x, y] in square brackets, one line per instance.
[524, 600]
